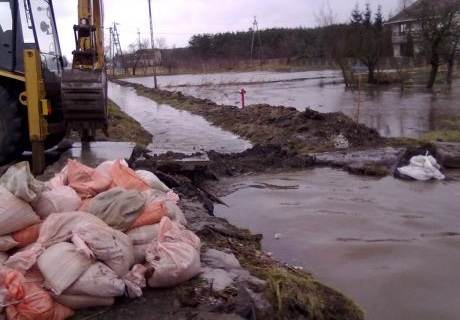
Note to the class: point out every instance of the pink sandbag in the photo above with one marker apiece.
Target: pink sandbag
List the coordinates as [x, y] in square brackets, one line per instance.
[125, 177]
[85, 180]
[58, 227]
[175, 256]
[26, 300]
[15, 214]
[58, 200]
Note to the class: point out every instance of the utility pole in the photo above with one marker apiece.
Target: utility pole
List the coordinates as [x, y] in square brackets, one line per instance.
[139, 39]
[152, 43]
[255, 30]
[111, 51]
[117, 46]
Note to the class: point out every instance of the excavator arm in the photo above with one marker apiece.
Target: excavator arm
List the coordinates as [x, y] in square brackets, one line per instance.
[84, 87]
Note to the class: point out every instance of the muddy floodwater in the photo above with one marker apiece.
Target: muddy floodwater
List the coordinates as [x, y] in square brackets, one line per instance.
[174, 130]
[393, 113]
[392, 246]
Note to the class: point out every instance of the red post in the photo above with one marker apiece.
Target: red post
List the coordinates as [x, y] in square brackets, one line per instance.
[242, 92]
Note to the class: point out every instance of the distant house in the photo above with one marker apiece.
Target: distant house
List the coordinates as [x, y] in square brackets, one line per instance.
[405, 26]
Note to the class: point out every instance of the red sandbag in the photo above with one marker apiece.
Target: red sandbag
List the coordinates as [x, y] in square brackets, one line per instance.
[123, 176]
[152, 214]
[27, 236]
[26, 300]
[85, 180]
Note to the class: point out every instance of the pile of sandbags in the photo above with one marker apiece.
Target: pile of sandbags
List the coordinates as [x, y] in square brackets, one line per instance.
[87, 236]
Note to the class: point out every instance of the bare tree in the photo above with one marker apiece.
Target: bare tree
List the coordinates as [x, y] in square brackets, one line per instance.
[439, 33]
[336, 38]
[326, 16]
[403, 4]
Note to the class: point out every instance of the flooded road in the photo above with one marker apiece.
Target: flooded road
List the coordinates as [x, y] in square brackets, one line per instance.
[392, 246]
[174, 130]
[391, 112]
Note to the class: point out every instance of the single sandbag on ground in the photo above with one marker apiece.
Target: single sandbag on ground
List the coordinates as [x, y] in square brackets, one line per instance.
[117, 207]
[56, 228]
[21, 183]
[83, 302]
[7, 243]
[61, 265]
[99, 281]
[108, 245]
[175, 255]
[58, 200]
[152, 180]
[86, 181]
[15, 214]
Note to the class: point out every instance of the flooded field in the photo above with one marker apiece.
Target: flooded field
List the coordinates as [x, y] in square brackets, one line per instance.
[390, 245]
[392, 112]
[174, 130]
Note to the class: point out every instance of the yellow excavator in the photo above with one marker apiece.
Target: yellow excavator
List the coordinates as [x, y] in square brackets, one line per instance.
[41, 99]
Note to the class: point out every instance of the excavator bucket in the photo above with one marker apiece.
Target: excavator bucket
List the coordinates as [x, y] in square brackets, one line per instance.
[84, 101]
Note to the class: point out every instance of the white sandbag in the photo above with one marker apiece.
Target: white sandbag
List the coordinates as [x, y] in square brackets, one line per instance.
[59, 180]
[58, 200]
[3, 257]
[175, 256]
[117, 207]
[20, 182]
[108, 245]
[152, 180]
[83, 302]
[58, 227]
[144, 235]
[105, 167]
[61, 265]
[7, 243]
[99, 281]
[139, 253]
[15, 214]
[422, 168]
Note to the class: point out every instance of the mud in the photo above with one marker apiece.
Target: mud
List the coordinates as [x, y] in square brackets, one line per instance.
[303, 132]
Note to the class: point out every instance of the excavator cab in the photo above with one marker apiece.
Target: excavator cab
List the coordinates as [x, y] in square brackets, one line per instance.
[40, 100]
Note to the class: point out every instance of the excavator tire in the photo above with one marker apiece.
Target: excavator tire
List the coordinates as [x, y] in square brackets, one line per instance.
[11, 142]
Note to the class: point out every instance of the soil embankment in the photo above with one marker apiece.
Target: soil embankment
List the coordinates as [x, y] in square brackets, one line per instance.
[303, 132]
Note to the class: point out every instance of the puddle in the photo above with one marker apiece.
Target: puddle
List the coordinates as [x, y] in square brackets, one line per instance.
[391, 112]
[172, 129]
[391, 245]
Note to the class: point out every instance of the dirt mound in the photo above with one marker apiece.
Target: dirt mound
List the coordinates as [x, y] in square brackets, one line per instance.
[262, 124]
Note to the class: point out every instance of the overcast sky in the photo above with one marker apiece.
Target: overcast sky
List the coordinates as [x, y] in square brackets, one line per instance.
[177, 20]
